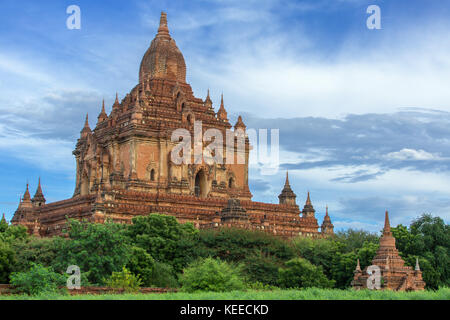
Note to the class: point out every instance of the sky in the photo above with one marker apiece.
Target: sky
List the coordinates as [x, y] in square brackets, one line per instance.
[363, 115]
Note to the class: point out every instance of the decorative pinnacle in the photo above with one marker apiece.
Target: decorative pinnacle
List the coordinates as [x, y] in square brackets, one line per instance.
[39, 189]
[286, 183]
[358, 267]
[387, 226]
[326, 211]
[86, 123]
[417, 268]
[117, 98]
[26, 196]
[163, 28]
[308, 200]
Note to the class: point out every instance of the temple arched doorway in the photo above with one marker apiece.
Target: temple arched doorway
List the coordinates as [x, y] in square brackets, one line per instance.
[200, 184]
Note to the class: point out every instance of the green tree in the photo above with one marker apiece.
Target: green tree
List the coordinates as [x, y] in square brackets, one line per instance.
[98, 249]
[34, 250]
[343, 266]
[352, 239]
[260, 268]
[124, 279]
[233, 245]
[142, 264]
[428, 238]
[211, 275]
[300, 273]
[38, 279]
[163, 276]
[319, 252]
[7, 261]
[163, 238]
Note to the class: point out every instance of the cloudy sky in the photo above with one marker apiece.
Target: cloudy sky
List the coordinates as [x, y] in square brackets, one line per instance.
[363, 115]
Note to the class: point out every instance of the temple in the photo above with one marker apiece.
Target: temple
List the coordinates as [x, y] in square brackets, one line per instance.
[395, 275]
[125, 167]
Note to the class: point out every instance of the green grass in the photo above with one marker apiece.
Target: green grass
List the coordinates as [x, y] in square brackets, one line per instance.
[304, 294]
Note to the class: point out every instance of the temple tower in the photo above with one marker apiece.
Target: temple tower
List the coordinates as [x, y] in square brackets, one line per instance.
[394, 274]
[287, 196]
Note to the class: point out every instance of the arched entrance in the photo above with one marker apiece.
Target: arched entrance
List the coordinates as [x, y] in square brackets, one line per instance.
[200, 184]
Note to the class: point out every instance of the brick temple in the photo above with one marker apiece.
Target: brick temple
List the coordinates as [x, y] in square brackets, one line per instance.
[124, 167]
[396, 276]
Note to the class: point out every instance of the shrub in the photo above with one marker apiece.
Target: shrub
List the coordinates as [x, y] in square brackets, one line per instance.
[124, 280]
[300, 273]
[164, 238]
[7, 261]
[98, 249]
[142, 264]
[163, 276]
[37, 280]
[211, 275]
[262, 269]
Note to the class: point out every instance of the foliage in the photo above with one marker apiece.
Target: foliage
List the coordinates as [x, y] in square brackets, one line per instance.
[289, 294]
[261, 268]
[211, 275]
[163, 276]
[7, 261]
[9, 233]
[352, 239]
[98, 249]
[142, 264]
[37, 280]
[300, 273]
[163, 238]
[231, 244]
[319, 252]
[428, 238]
[34, 250]
[124, 280]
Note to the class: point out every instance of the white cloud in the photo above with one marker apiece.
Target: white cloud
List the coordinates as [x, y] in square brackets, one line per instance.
[411, 154]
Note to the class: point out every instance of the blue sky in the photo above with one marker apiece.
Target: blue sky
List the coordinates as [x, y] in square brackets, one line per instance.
[364, 115]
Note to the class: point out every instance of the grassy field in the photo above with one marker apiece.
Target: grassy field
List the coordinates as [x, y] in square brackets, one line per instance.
[304, 294]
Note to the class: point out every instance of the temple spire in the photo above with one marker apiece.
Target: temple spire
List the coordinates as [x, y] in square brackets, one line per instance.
[38, 198]
[102, 116]
[287, 196]
[222, 113]
[26, 195]
[308, 200]
[163, 29]
[358, 266]
[86, 123]
[387, 226]
[417, 268]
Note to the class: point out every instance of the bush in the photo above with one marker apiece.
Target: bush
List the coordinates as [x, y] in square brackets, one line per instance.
[164, 238]
[262, 269]
[300, 273]
[163, 276]
[142, 264]
[211, 275]
[37, 280]
[98, 249]
[124, 280]
[7, 262]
